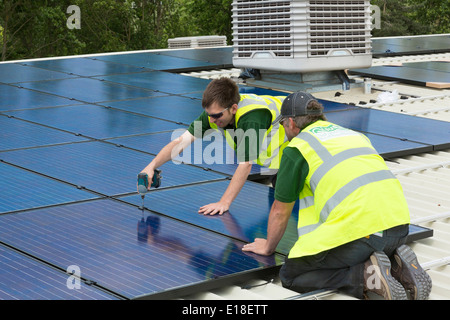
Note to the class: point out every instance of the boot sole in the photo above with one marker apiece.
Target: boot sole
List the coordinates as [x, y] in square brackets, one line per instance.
[395, 290]
[412, 276]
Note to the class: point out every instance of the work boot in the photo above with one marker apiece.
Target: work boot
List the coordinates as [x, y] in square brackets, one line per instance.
[378, 278]
[407, 270]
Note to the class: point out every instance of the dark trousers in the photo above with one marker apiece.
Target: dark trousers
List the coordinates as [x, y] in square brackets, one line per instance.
[342, 267]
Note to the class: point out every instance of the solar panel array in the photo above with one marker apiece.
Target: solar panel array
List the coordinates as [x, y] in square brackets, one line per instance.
[75, 133]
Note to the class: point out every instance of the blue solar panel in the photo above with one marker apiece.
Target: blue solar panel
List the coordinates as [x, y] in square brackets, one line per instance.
[390, 147]
[404, 127]
[247, 218]
[155, 61]
[85, 66]
[16, 134]
[101, 238]
[173, 108]
[410, 45]
[23, 278]
[21, 189]
[222, 57]
[102, 167]
[441, 66]
[95, 121]
[410, 75]
[209, 153]
[161, 81]
[89, 90]
[13, 73]
[14, 98]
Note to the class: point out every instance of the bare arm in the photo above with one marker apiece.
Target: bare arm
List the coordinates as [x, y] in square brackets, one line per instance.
[169, 152]
[235, 186]
[278, 220]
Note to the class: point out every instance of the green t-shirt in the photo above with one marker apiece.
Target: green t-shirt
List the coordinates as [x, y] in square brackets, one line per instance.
[256, 120]
[291, 176]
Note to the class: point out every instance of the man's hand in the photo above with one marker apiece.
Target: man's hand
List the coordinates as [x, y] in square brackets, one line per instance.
[259, 247]
[150, 172]
[213, 208]
[278, 220]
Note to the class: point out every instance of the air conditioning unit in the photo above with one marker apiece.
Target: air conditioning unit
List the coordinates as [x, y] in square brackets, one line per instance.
[301, 36]
[197, 42]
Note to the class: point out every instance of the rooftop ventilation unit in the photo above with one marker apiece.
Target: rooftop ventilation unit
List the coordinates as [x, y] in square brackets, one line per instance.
[302, 35]
[197, 42]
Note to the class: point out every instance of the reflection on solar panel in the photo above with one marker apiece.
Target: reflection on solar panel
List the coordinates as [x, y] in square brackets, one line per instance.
[243, 221]
[117, 248]
[74, 134]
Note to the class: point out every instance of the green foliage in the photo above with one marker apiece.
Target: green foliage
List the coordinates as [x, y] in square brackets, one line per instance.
[37, 28]
[412, 17]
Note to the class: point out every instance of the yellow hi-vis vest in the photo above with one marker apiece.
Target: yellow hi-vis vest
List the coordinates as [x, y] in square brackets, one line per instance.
[349, 192]
[274, 139]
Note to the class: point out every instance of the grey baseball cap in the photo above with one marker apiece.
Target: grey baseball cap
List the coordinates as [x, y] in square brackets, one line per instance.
[296, 104]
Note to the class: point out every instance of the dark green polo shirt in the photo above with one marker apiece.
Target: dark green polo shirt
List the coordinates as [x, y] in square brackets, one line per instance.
[291, 176]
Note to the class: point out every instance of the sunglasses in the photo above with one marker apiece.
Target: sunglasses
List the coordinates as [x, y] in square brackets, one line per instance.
[219, 114]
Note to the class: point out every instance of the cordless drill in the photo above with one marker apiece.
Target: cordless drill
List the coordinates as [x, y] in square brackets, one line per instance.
[143, 183]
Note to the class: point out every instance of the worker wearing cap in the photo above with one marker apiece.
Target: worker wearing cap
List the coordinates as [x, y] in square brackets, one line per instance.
[244, 115]
[353, 216]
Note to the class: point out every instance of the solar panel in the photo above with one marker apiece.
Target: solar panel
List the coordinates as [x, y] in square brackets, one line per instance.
[410, 45]
[211, 153]
[88, 90]
[404, 127]
[391, 147]
[23, 278]
[14, 98]
[102, 167]
[21, 134]
[156, 61]
[95, 121]
[221, 57]
[87, 67]
[247, 218]
[409, 75]
[160, 81]
[21, 189]
[14, 73]
[173, 108]
[100, 237]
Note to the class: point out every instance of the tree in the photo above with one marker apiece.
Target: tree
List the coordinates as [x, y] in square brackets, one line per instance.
[211, 17]
[398, 19]
[433, 13]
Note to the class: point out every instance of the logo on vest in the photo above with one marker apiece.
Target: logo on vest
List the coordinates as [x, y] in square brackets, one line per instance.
[331, 131]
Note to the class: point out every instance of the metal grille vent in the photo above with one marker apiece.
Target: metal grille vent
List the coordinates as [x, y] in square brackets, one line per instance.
[264, 26]
[336, 24]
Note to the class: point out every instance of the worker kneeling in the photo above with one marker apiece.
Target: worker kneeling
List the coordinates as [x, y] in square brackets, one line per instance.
[353, 218]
